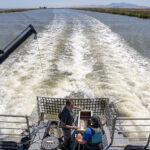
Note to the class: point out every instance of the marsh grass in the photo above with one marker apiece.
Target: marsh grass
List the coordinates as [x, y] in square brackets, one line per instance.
[141, 13]
[14, 10]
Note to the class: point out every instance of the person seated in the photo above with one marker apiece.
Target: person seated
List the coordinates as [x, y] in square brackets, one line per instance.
[92, 137]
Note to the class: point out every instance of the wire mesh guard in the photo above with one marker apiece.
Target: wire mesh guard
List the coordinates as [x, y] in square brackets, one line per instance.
[52, 106]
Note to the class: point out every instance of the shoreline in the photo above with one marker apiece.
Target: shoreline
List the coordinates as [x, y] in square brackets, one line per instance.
[140, 13]
[16, 10]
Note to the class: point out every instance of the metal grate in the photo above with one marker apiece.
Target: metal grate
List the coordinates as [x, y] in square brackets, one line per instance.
[52, 106]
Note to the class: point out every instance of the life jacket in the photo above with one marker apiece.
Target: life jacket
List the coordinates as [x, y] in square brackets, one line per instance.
[97, 135]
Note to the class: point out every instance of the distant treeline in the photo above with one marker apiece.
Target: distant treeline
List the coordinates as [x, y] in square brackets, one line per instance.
[141, 13]
[14, 10]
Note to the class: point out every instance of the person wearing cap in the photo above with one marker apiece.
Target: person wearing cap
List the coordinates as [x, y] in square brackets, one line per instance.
[92, 137]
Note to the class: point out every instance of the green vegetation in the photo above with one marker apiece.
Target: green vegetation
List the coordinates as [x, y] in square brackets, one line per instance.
[141, 13]
[14, 10]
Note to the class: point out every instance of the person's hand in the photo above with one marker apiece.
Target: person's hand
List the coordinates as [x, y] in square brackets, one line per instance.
[75, 127]
[80, 108]
[76, 139]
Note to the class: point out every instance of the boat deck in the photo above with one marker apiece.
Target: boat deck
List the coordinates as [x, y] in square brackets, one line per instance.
[47, 111]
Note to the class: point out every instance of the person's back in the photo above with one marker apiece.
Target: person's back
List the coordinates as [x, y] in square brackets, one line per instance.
[96, 135]
[67, 117]
[93, 137]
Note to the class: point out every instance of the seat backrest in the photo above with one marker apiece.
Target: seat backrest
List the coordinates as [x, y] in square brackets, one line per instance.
[8, 145]
[134, 147]
[148, 141]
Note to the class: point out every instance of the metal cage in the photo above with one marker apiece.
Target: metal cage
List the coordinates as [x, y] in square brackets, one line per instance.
[52, 106]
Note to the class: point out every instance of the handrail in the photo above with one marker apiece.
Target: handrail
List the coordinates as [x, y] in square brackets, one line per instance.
[132, 125]
[12, 122]
[15, 116]
[14, 128]
[116, 124]
[113, 131]
[128, 118]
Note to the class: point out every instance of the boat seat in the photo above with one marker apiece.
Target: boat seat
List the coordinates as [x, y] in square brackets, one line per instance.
[8, 145]
[134, 147]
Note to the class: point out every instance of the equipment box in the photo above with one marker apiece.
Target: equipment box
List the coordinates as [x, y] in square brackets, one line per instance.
[84, 119]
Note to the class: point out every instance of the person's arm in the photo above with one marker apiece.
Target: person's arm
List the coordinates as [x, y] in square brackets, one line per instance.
[87, 135]
[68, 126]
[77, 107]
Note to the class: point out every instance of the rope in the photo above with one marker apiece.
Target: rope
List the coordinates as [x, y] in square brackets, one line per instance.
[46, 90]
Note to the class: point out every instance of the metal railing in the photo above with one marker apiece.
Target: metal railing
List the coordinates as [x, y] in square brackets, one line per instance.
[11, 126]
[110, 114]
[129, 131]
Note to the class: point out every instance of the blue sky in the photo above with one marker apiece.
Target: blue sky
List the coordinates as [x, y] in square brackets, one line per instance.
[63, 3]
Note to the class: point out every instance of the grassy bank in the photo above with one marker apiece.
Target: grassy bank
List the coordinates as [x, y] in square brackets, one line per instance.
[141, 13]
[14, 10]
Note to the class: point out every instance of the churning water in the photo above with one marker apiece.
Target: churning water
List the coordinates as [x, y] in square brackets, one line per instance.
[79, 56]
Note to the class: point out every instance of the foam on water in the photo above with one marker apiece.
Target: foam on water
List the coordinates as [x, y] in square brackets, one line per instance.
[126, 80]
[20, 83]
[78, 68]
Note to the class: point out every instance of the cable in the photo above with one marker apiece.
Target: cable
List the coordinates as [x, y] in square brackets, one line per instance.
[42, 66]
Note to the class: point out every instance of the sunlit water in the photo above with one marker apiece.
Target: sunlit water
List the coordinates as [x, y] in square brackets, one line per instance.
[79, 56]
